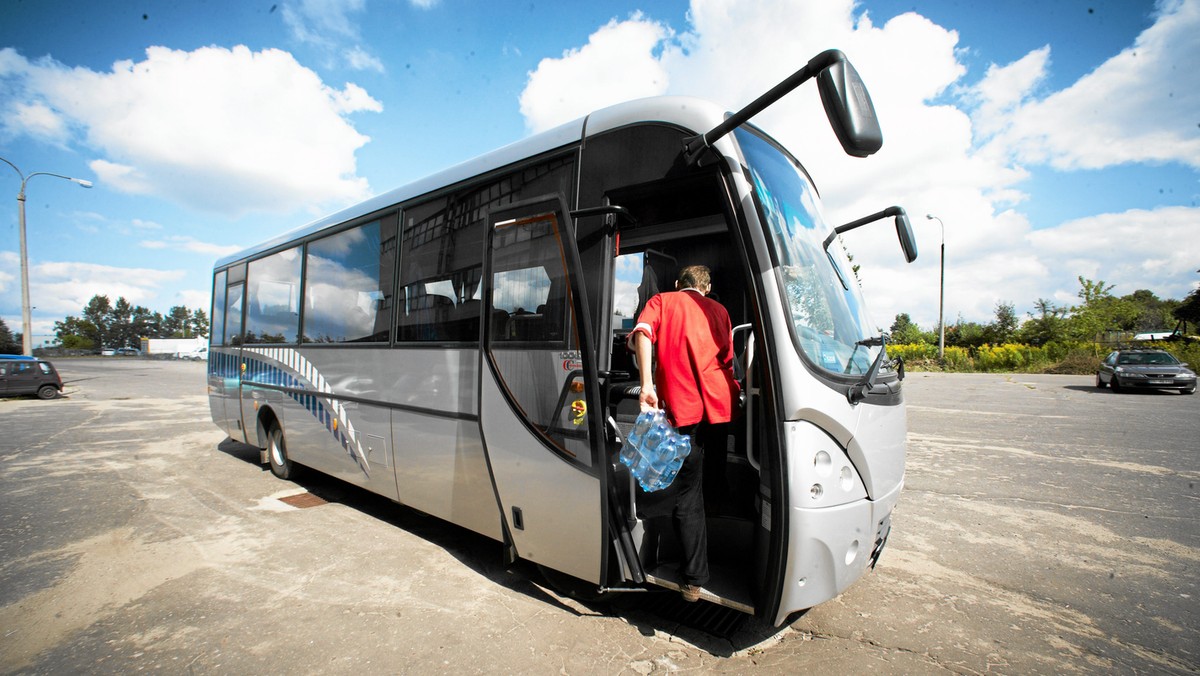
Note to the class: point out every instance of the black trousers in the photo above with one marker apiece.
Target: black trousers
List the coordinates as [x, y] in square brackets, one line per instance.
[683, 503]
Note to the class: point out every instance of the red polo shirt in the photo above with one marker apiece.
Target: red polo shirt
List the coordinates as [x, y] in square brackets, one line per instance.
[693, 341]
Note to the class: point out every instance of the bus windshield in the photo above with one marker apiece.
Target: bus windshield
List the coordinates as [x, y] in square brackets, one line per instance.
[823, 300]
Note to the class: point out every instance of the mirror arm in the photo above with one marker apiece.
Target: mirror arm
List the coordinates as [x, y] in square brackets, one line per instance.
[890, 211]
[695, 146]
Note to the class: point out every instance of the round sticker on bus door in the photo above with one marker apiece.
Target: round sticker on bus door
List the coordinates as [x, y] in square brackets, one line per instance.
[578, 411]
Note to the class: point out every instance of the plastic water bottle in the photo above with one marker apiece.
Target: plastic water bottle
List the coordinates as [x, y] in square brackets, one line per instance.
[629, 450]
[657, 432]
[660, 459]
[672, 470]
[684, 446]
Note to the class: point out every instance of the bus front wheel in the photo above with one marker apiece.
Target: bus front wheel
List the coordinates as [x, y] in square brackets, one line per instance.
[281, 465]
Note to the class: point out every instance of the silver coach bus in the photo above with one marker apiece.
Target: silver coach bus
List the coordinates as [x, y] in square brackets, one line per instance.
[458, 346]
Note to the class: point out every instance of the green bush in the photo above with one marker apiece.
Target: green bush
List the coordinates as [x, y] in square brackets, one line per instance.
[1067, 357]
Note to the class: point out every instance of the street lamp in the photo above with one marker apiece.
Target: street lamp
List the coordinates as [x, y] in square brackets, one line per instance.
[26, 319]
[941, 293]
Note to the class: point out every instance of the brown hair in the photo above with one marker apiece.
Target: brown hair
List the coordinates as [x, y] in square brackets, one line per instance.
[695, 277]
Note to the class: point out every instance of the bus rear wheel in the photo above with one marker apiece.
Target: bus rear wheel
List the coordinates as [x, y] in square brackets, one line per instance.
[281, 465]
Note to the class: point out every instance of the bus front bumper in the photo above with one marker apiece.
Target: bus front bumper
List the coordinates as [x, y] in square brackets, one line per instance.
[831, 547]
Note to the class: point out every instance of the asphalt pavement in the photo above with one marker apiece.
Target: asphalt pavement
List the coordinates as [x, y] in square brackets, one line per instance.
[1046, 526]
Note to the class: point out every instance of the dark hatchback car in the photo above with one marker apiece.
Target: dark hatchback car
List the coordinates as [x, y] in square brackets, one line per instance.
[29, 376]
[1145, 369]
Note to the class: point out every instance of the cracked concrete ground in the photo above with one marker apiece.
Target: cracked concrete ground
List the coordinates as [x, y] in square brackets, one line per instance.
[1045, 527]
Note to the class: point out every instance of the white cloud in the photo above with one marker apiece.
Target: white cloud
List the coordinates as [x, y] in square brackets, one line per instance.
[58, 289]
[39, 120]
[227, 130]
[360, 59]
[617, 64]
[932, 160]
[1139, 106]
[190, 245]
[327, 25]
[194, 299]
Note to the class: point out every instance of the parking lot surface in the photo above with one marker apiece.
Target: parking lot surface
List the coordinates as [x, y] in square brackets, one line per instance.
[1046, 526]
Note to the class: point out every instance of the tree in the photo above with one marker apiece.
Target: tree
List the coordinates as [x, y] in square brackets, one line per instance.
[1002, 330]
[1047, 326]
[9, 343]
[177, 322]
[199, 323]
[1100, 312]
[97, 313]
[905, 332]
[120, 325]
[1154, 314]
[965, 334]
[1188, 311]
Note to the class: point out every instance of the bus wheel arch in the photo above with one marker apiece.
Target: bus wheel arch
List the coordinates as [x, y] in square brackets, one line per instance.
[276, 446]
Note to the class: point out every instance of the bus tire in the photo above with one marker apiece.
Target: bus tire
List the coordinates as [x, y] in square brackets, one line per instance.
[573, 587]
[281, 465]
[47, 392]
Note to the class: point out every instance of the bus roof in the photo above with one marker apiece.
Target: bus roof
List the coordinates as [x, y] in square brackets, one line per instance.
[691, 113]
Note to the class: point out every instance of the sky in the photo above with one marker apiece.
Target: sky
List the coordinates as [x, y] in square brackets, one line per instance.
[1053, 140]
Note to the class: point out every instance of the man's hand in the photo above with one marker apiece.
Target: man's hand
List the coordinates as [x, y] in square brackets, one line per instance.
[648, 399]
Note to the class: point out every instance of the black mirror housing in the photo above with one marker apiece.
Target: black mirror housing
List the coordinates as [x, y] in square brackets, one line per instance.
[849, 109]
[907, 242]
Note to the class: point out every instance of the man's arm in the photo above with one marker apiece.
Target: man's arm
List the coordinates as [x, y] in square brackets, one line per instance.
[643, 350]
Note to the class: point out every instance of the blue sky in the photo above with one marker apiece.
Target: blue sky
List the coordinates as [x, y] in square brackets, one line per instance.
[1053, 139]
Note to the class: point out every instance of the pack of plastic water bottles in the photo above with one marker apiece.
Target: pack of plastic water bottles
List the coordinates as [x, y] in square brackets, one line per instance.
[653, 451]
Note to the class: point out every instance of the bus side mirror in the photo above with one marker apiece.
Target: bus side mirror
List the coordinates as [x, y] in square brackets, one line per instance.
[903, 228]
[907, 242]
[850, 111]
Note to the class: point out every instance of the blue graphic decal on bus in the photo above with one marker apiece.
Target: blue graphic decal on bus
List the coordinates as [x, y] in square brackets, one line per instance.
[284, 367]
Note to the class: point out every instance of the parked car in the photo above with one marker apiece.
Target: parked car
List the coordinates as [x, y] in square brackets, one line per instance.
[1145, 369]
[196, 354]
[128, 351]
[107, 352]
[29, 376]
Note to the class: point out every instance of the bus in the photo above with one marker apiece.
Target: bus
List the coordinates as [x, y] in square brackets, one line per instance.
[458, 346]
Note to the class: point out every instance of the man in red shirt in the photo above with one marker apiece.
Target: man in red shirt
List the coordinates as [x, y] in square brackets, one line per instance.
[692, 380]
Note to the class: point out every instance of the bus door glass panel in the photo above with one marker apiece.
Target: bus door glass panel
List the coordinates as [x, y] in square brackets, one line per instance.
[533, 341]
[534, 402]
[228, 365]
[216, 383]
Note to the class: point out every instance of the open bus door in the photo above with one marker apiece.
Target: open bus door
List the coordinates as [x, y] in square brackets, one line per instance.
[538, 390]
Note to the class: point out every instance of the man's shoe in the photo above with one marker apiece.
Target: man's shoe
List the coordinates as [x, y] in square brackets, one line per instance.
[691, 593]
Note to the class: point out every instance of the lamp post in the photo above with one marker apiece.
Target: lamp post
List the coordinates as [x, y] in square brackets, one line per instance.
[941, 293]
[26, 319]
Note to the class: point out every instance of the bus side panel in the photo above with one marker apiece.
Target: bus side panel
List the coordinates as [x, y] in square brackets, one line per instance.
[441, 470]
[440, 466]
[223, 385]
[307, 393]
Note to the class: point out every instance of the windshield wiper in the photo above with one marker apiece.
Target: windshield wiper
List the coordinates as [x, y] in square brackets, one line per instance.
[858, 391]
[865, 342]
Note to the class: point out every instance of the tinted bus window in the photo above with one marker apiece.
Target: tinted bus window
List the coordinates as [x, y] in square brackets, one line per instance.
[348, 284]
[233, 315]
[217, 330]
[441, 271]
[273, 298]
